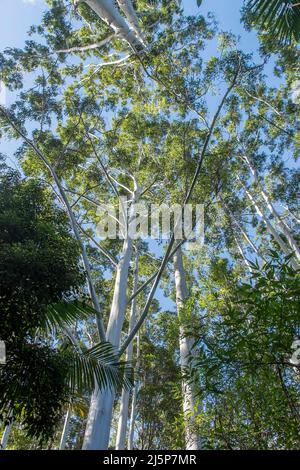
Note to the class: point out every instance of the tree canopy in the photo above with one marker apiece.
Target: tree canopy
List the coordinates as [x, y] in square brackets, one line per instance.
[119, 109]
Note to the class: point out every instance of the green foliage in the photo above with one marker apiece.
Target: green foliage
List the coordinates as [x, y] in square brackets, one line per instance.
[159, 410]
[248, 384]
[39, 262]
[39, 266]
[145, 121]
[33, 387]
[100, 366]
[279, 18]
[40, 277]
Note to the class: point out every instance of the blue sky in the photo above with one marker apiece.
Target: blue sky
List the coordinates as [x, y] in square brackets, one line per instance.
[18, 15]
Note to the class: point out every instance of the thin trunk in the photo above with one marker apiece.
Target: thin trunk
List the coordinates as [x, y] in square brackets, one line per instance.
[250, 242]
[285, 249]
[100, 414]
[185, 345]
[241, 251]
[5, 435]
[66, 430]
[107, 11]
[134, 400]
[284, 227]
[85, 259]
[245, 235]
[188, 196]
[295, 217]
[123, 418]
[65, 200]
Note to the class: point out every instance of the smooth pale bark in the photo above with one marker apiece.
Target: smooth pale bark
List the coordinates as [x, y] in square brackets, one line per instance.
[244, 233]
[284, 227]
[185, 346]
[134, 400]
[250, 242]
[127, 8]
[100, 413]
[90, 47]
[295, 217]
[285, 249]
[188, 196]
[240, 248]
[66, 430]
[85, 259]
[107, 11]
[5, 435]
[123, 418]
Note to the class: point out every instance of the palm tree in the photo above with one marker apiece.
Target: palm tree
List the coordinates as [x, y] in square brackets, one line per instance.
[99, 365]
[279, 18]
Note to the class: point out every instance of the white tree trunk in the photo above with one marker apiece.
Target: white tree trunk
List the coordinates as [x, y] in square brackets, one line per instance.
[123, 418]
[250, 242]
[134, 400]
[85, 259]
[107, 11]
[127, 7]
[66, 430]
[294, 216]
[73, 222]
[5, 435]
[244, 233]
[240, 248]
[185, 344]
[100, 413]
[248, 239]
[285, 249]
[284, 227]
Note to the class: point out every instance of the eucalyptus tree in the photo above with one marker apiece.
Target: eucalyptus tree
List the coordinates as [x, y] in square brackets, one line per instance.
[124, 404]
[127, 28]
[100, 123]
[244, 363]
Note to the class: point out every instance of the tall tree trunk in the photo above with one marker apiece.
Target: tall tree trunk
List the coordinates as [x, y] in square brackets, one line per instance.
[100, 413]
[241, 251]
[66, 429]
[127, 7]
[5, 435]
[285, 249]
[108, 12]
[85, 259]
[134, 399]
[284, 227]
[243, 232]
[185, 345]
[71, 216]
[292, 215]
[123, 418]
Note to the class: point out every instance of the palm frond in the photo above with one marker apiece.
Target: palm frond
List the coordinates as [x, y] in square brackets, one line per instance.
[66, 313]
[280, 18]
[99, 365]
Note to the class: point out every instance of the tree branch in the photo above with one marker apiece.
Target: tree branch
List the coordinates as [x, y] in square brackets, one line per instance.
[187, 198]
